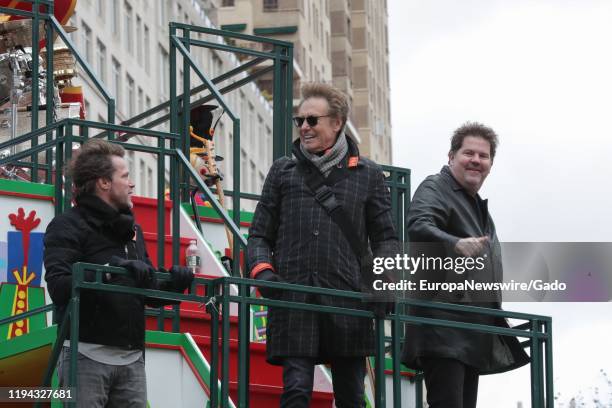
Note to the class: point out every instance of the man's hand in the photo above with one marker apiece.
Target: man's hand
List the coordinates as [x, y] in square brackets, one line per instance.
[181, 277]
[269, 276]
[142, 272]
[470, 247]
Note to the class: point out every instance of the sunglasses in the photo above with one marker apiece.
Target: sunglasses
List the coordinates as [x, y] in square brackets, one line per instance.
[311, 120]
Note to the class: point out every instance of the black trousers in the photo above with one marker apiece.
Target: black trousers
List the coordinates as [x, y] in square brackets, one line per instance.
[348, 375]
[450, 383]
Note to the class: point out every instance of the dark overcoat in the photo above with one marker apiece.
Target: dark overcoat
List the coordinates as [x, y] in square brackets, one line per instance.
[292, 232]
[93, 232]
[441, 213]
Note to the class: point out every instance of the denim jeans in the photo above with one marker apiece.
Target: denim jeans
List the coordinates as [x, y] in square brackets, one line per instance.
[102, 385]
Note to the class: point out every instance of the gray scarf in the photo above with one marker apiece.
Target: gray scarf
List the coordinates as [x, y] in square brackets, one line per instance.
[331, 158]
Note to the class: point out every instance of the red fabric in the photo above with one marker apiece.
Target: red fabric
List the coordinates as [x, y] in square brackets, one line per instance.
[74, 94]
[260, 267]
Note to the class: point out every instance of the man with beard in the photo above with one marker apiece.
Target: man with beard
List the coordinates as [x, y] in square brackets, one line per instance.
[100, 229]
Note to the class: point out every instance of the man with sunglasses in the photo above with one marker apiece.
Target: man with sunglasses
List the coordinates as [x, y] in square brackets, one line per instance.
[296, 237]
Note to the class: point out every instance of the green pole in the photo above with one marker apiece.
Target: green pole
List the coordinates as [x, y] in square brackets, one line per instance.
[225, 347]
[536, 392]
[35, 85]
[379, 388]
[236, 199]
[243, 346]
[278, 129]
[214, 348]
[550, 397]
[49, 88]
[395, 345]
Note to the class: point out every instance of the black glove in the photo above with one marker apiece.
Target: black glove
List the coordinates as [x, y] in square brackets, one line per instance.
[181, 277]
[268, 275]
[142, 272]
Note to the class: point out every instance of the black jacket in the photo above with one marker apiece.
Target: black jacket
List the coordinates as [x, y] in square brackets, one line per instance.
[441, 213]
[93, 232]
[292, 232]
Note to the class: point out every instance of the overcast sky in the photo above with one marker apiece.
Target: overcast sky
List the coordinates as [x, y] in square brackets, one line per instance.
[539, 73]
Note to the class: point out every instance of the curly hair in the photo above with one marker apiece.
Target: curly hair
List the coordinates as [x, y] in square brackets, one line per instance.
[336, 99]
[91, 162]
[474, 129]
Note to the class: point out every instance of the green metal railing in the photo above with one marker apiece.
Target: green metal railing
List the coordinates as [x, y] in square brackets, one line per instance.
[282, 59]
[219, 295]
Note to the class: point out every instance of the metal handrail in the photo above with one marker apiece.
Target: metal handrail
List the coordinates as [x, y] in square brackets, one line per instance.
[218, 293]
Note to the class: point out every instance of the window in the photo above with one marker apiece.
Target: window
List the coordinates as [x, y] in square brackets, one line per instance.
[130, 162]
[128, 26]
[86, 41]
[243, 170]
[261, 181]
[217, 65]
[131, 96]
[147, 50]
[143, 180]
[230, 154]
[140, 100]
[139, 39]
[250, 122]
[114, 4]
[100, 8]
[116, 81]
[73, 35]
[253, 177]
[101, 60]
[260, 146]
[228, 3]
[163, 70]
[148, 103]
[270, 5]
[163, 13]
[150, 181]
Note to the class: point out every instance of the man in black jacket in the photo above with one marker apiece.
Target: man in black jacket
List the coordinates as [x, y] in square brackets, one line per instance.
[100, 229]
[447, 219]
[294, 239]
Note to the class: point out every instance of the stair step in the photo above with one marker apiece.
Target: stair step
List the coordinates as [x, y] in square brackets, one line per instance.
[151, 246]
[145, 213]
[265, 380]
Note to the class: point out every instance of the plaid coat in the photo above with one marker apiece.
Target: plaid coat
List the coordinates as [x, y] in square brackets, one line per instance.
[292, 232]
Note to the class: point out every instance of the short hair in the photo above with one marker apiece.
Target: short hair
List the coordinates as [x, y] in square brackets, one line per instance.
[336, 99]
[91, 162]
[474, 129]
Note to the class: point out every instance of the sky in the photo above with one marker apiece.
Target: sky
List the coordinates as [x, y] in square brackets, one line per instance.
[539, 73]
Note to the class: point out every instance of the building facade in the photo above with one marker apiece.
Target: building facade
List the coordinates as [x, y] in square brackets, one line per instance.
[343, 42]
[126, 44]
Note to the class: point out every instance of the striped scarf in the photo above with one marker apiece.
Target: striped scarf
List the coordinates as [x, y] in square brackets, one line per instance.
[332, 156]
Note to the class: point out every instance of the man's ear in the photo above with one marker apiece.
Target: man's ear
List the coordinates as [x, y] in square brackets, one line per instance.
[336, 124]
[103, 184]
[451, 157]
